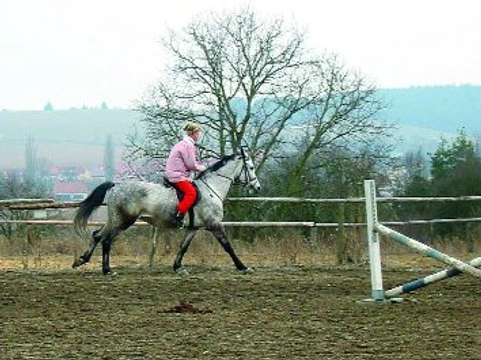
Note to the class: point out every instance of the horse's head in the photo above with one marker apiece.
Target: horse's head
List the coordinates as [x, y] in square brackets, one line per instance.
[238, 168]
[247, 176]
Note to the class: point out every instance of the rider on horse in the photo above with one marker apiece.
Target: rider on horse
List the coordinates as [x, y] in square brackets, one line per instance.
[181, 162]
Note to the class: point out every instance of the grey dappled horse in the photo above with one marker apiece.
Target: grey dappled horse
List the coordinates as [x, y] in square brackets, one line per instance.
[155, 203]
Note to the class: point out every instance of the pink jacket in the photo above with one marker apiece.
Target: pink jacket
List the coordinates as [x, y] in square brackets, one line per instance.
[182, 161]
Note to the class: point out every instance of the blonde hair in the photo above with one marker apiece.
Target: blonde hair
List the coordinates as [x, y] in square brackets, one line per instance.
[191, 127]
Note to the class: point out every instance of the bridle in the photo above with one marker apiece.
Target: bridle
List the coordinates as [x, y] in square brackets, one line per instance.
[248, 179]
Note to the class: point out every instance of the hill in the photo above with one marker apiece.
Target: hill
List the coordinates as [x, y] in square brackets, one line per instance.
[440, 108]
[78, 136]
[64, 137]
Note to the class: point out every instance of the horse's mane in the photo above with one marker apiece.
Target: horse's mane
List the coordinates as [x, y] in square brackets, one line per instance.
[216, 166]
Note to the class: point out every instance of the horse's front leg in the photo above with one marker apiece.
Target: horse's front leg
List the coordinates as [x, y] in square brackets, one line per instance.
[219, 233]
[184, 246]
[155, 241]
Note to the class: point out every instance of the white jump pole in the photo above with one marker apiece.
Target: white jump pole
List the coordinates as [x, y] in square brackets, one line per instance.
[427, 250]
[422, 282]
[377, 292]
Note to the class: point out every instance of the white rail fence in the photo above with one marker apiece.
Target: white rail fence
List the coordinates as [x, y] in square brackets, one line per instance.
[39, 204]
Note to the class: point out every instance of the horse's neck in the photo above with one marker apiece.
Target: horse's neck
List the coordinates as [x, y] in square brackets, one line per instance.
[221, 180]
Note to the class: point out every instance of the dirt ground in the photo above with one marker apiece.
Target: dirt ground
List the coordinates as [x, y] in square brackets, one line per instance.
[278, 312]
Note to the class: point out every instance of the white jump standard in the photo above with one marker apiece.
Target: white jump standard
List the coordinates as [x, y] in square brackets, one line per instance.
[374, 228]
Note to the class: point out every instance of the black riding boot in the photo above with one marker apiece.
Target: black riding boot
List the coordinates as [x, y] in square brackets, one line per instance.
[178, 220]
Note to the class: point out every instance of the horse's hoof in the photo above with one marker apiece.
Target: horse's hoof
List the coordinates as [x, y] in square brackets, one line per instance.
[247, 271]
[77, 263]
[182, 272]
[110, 273]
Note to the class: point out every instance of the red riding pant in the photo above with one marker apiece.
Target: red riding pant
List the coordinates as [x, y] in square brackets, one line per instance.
[190, 195]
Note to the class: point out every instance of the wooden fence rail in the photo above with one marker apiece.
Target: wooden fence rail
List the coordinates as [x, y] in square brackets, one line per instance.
[41, 204]
[38, 204]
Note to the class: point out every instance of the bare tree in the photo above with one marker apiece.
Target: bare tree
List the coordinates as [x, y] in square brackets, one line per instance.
[254, 82]
[31, 170]
[109, 159]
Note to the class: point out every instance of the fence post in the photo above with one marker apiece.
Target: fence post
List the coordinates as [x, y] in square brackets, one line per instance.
[377, 292]
[153, 245]
[314, 238]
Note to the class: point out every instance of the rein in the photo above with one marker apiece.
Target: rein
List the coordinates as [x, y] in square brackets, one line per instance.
[226, 177]
[220, 164]
[210, 188]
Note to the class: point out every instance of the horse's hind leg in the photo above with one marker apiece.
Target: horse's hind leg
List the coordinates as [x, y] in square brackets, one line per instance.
[85, 257]
[219, 233]
[106, 247]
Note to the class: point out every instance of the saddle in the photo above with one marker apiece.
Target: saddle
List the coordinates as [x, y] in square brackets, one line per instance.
[180, 195]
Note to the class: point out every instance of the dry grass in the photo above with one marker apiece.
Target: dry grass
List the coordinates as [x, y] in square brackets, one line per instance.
[36, 249]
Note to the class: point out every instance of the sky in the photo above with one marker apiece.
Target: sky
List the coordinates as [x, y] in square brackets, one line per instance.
[75, 53]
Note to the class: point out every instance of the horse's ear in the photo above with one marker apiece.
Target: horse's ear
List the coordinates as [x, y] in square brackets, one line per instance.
[259, 156]
[242, 151]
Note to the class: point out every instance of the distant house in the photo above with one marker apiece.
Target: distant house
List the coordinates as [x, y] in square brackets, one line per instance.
[68, 172]
[151, 170]
[96, 172]
[70, 191]
[13, 172]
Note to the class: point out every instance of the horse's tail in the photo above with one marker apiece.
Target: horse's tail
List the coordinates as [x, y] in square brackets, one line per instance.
[89, 205]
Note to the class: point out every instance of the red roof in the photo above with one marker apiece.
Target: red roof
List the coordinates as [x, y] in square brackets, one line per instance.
[75, 187]
[66, 169]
